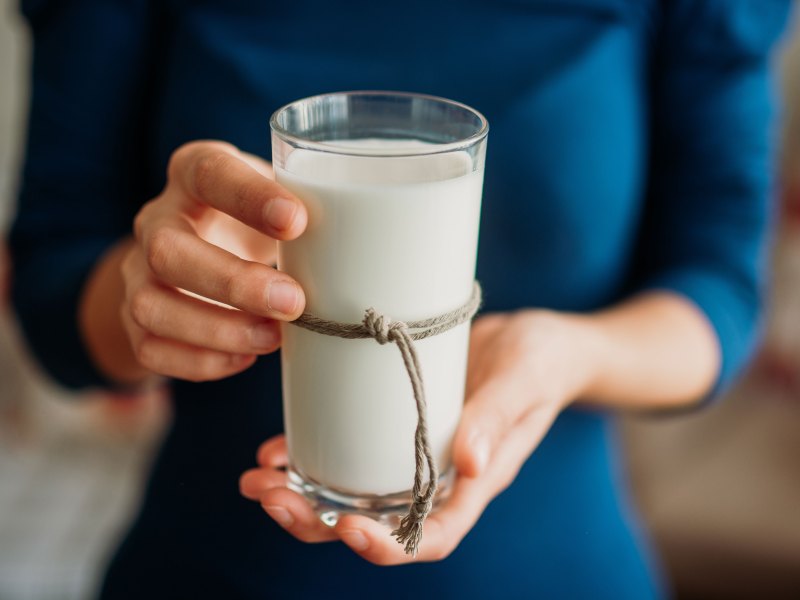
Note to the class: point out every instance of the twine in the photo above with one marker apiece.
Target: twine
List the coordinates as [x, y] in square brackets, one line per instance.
[385, 331]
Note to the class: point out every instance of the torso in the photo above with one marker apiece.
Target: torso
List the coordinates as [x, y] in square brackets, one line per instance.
[564, 86]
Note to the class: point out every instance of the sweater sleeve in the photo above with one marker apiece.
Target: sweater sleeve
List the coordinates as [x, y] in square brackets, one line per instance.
[706, 224]
[82, 176]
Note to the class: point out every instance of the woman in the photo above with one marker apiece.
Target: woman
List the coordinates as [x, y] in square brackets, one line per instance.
[622, 244]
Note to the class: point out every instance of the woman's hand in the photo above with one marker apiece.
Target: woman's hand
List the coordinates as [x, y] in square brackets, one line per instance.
[211, 232]
[524, 368]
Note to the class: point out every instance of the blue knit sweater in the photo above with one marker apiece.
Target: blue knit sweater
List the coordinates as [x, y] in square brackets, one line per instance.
[630, 150]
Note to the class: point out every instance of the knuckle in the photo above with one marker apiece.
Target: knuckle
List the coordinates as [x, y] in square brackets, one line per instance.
[142, 218]
[250, 199]
[184, 157]
[207, 366]
[180, 157]
[207, 169]
[504, 484]
[222, 335]
[506, 479]
[157, 248]
[238, 283]
[141, 307]
[145, 351]
[442, 552]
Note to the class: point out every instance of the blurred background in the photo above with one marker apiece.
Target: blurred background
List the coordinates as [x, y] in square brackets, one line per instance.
[719, 489]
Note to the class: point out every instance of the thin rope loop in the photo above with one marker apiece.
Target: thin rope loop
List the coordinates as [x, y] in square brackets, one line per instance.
[403, 334]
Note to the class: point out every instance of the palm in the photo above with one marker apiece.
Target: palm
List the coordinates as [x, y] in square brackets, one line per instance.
[500, 393]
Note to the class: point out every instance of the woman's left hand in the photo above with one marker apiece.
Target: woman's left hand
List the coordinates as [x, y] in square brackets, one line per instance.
[524, 368]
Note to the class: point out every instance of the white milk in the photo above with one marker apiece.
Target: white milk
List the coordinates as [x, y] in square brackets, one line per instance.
[398, 234]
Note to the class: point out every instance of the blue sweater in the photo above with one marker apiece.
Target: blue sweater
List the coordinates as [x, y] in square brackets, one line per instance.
[630, 150]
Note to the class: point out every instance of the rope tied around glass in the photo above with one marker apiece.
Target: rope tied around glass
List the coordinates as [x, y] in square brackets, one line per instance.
[403, 334]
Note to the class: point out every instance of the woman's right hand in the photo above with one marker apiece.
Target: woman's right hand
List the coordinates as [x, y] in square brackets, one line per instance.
[211, 232]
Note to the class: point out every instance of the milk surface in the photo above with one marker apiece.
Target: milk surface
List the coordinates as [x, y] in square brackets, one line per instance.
[398, 234]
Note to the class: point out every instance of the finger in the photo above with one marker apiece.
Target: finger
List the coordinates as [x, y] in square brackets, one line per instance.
[179, 360]
[449, 524]
[489, 413]
[218, 175]
[237, 238]
[294, 513]
[443, 530]
[167, 313]
[374, 542]
[178, 257]
[273, 453]
[254, 482]
[259, 164]
[515, 448]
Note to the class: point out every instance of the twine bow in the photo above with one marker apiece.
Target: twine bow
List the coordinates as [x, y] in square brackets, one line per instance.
[385, 331]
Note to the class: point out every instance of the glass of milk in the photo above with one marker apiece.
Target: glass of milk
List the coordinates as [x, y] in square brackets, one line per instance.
[392, 183]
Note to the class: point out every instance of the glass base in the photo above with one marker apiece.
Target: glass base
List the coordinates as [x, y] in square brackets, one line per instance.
[388, 509]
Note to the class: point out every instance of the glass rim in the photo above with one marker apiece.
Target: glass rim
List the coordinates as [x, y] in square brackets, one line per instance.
[434, 148]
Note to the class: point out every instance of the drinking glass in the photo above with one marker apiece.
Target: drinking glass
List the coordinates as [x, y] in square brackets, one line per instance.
[392, 183]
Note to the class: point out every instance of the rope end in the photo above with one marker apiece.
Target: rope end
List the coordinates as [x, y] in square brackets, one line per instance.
[409, 532]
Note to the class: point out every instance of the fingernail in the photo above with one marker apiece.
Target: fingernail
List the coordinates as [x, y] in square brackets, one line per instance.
[280, 213]
[283, 296]
[480, 450]
[280, 515]
[264, 336]
[355, 539]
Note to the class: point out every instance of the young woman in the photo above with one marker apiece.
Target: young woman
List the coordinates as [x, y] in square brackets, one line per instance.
[622, 246]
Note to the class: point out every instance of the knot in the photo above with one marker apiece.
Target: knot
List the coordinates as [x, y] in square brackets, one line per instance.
[420, 509]
[382, 328]
[409, 533]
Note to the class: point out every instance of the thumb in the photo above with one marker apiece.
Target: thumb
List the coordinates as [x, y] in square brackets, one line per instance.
[490, 412]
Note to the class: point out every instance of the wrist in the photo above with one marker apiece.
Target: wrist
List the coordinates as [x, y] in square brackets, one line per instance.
[652, 351]
[572, 357]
